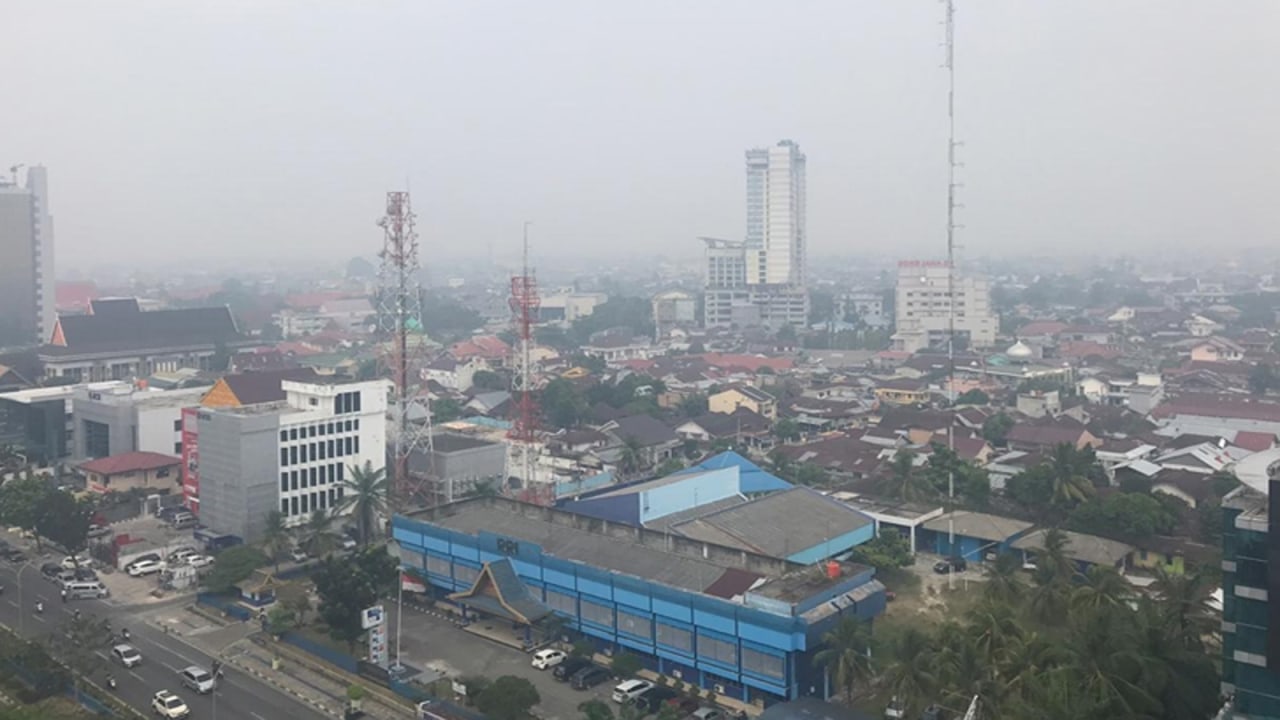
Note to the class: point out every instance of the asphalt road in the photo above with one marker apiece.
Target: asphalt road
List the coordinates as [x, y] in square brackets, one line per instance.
[238, 697]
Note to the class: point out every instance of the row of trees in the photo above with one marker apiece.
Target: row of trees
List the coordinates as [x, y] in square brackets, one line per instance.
[31, 503]
[1064, 645]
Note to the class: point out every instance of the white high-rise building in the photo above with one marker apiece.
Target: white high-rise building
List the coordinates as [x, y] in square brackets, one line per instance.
[26, 260]
[923, 307]
[761, 280]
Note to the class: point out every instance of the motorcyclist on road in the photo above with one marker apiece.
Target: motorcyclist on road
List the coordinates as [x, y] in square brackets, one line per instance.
[111, 681]
[124, 633]
[39, 606]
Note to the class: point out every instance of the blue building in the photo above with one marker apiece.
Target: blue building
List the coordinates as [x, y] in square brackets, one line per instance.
[742, 623]
[977, 535]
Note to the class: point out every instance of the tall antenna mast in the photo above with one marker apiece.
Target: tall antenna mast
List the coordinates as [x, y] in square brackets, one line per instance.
[950, 66]
[400, 322]
[522, 438]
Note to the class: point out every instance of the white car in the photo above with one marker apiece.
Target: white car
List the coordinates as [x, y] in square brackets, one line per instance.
[177, 556]
[349, 544]
[199, 561]
[629, 690]
[69, 562]
[298, 555]
[126, 655]
[146, 567]
[549, 658]
[167, 705]
[198, 679]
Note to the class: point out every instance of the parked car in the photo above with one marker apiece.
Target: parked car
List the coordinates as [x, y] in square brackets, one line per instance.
[628, 690]
[199, 561]
[349, 544]
[298, 555]
[14, 555]
[652, 700]
[170, 706]
[126, 655]
[548, 658]
[569, 667]
[181, 554]
[588, 677]
[707, 713]
[51, 571]
[85, 574]
[198, 679]
[98, 531]
[957, 564]
[71, 563]
[144, 567]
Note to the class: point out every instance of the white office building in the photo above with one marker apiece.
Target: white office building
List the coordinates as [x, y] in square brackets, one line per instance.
[26, 260]
[292, 455]
[761, 280]
[125, 417]
[923, 307]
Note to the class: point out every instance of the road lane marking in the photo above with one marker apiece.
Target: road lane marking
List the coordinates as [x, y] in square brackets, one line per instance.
[136, 675]
[14, 604]
[256, 715]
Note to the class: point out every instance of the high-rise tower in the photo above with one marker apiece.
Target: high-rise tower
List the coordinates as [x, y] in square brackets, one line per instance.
[26, 259]
[761, 280]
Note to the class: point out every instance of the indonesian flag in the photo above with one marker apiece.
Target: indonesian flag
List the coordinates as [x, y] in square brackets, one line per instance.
[412, 584]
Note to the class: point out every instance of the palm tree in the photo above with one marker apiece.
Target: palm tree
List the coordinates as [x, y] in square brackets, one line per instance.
[1184, 605]
[846, 655]
[318, 537]
[1004, 580]
[1071, 482]
[275, 537]
[911, 677]
[631, 459]
[904, 482]
[365, 495]
[1103, 587]
[992, 627]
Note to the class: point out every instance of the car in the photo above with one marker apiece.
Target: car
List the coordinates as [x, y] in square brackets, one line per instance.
[652, 700]
[588, 677]
[568, 667]
[198, 679]
[298, 555]
[144, 567]
[181, 554]
[65, 578]
[349, 544]
[628, 690]
[707, 713]
[72, 562]
[199, 561]
[51, 571]
[544, 659]
[956, 564]
[98, 531]
[167, 705]
[126, 655]
[14, 555]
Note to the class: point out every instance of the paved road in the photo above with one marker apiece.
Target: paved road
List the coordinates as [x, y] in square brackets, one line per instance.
[239, 697]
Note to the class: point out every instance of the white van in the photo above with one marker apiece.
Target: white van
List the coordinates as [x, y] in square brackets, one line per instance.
[90, 589]
[629, 690]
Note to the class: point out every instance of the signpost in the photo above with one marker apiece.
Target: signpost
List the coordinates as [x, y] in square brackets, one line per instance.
[374, 619]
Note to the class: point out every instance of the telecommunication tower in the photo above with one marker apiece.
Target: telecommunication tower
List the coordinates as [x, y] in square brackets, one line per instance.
[403, 346]
[522, 439]
[952, 205]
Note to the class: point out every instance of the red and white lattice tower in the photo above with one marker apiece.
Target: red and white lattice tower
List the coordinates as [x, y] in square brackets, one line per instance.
[403, 345]
[522, 439]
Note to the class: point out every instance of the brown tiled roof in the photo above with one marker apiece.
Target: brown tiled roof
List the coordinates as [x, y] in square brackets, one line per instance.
[1043, 435]
[733, 582]
[130, 462]
[1219, 406]
[118, 325]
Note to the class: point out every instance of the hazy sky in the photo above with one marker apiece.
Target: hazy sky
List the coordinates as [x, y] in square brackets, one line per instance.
[271, 128]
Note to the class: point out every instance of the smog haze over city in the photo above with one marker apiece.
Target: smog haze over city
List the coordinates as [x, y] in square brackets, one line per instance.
[256, 130]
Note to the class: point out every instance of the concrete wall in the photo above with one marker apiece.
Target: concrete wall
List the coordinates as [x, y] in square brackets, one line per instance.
[698, 489]
[117, 418]
[238, 472]
[478, 462]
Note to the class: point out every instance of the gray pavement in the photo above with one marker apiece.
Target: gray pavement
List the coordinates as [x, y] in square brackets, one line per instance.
[240, 695]
[432, 641]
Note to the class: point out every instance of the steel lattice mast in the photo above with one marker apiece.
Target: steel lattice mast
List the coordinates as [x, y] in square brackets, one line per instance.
[523, 437]
[400, 320]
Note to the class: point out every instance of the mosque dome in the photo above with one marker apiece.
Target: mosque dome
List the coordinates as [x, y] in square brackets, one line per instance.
[1019, 351]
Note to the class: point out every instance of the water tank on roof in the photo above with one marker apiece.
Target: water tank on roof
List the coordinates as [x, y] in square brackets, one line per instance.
[833, 570]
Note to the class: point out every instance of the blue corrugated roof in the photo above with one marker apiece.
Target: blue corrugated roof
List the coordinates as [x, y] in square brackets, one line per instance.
[751, 477]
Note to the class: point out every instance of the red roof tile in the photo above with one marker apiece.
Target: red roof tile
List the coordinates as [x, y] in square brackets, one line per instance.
[1254, 441]
[130, 462]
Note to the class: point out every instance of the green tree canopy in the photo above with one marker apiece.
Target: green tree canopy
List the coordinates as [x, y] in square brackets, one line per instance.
[347, 586]
[489, 380]
[508, 698]
[996, 428]
[20, 499]
[234, 565]
[562, 405]
[619, 311]
[973, 397]
[786, 429]
[885, 551]
[64, 520]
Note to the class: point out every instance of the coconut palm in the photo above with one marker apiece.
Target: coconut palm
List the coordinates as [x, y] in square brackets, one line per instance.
[846, 655]
[1004, 580]
[1102, 587]
[904, 482]
[631, 458]
[1184, 602]
[911, 676]
[365, 493]
[992, 627]
[1070, 476]
[275, 537]
[318, 537]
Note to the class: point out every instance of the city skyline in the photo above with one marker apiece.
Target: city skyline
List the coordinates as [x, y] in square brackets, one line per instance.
[1087, 128]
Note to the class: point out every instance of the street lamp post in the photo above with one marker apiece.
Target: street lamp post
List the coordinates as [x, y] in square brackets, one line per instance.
[22, 615]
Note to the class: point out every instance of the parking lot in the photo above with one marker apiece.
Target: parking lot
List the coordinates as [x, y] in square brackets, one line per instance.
[437, 644]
